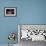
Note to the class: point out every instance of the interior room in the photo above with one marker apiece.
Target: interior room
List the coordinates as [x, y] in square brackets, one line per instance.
[17, 12]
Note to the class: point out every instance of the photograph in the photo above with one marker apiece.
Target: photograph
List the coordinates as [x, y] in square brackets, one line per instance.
[9, 11]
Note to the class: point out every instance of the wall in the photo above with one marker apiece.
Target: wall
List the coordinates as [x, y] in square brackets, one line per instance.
[28, 12]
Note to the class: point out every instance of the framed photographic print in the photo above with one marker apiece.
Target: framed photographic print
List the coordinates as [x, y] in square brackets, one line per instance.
[10, 11]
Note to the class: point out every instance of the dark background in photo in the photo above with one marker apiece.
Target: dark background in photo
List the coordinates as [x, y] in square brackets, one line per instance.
[9, 11]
